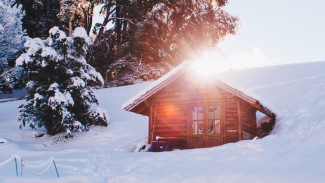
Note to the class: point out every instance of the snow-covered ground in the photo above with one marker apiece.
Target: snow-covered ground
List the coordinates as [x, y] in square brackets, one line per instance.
[293, 153]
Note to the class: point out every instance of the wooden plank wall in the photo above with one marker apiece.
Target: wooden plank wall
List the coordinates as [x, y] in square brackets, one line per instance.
[231, 122]
[170, 121]
[248, 119]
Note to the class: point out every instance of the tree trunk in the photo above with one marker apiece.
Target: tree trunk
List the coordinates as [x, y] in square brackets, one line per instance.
[70, 24]
[106, 20]
[118, 24]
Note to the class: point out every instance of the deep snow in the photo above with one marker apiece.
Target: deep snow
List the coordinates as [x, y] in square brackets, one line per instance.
[293, 153]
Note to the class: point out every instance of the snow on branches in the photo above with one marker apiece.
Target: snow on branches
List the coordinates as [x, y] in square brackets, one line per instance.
[60, 96]
[11, 32]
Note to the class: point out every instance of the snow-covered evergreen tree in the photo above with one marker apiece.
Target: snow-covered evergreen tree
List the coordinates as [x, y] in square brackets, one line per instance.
[60, 96]
[11, 32]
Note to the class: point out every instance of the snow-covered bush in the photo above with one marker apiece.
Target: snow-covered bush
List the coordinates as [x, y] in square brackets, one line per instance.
[11, 32]
[60, 96]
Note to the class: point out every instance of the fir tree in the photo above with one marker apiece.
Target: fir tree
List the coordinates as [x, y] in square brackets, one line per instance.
[60, 96]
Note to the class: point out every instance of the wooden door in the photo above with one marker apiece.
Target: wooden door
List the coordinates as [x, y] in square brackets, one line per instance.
[205, 125]
[195, 127]
[213, 125]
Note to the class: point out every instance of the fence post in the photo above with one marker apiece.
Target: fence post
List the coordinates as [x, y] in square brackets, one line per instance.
[21, 167]
[16, 166]
[57, 173]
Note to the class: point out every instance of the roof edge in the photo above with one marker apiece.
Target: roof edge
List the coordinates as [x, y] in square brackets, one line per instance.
[177, 72]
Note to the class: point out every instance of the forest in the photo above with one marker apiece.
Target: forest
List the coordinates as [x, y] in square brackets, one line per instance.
[135, 41]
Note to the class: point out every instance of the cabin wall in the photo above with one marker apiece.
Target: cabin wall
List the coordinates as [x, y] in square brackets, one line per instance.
[231, 127]
[168, 121]
[248, 120]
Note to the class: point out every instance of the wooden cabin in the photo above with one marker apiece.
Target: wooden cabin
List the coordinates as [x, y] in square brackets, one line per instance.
[195, 112]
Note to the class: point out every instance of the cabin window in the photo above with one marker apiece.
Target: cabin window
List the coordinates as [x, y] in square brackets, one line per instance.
[214, 119]
[197, 119]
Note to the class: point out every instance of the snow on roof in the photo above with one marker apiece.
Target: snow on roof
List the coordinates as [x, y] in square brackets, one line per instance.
[174, 74]
[138, 98]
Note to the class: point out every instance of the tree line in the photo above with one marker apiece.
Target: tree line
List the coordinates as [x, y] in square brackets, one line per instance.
[55, 49]
[137, 40]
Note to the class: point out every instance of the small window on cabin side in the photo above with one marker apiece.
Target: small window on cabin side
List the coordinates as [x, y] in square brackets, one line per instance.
[214, 120]
[197, 119]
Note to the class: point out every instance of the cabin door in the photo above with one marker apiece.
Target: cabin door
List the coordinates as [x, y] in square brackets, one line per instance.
[205, 126]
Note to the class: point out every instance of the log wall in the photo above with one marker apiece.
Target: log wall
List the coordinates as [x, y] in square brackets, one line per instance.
[248, 120]
[231, 122]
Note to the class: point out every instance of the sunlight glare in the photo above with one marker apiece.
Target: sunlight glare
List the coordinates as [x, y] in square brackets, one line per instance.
[208, 64]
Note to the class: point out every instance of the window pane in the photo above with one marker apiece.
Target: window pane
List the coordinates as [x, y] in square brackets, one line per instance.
[217, 126]
[211, 127]
[200, 127]
[200, 113]
[211, 112]
[217, 112]
[194, 113]
[194, 127]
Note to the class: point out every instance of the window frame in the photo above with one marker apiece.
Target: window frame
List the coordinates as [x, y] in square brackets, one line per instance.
[214, 120]
[197, 120]
[205, 106]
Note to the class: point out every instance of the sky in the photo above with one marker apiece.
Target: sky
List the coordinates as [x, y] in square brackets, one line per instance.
[276, 31]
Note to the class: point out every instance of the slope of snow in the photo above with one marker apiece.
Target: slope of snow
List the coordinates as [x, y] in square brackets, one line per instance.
[293, 153]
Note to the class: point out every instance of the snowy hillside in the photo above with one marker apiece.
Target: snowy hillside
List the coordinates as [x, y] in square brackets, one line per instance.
[293, 153]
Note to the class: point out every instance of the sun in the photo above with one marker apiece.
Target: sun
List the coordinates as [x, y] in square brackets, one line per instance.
[208, 63]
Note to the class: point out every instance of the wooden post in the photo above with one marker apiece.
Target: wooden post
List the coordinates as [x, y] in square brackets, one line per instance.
[240, 122]
[150, 125]
[154, 122]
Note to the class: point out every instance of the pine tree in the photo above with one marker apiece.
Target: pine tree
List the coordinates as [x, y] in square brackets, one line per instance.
[60, 96]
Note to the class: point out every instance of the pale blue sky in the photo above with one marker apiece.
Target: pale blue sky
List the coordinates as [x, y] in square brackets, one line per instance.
[281, 31]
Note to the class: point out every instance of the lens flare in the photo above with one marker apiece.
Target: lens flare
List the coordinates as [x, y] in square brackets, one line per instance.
[208, 64]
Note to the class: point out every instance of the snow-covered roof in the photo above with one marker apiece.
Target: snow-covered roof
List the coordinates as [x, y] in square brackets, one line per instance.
[177, 72]
[157, 85]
